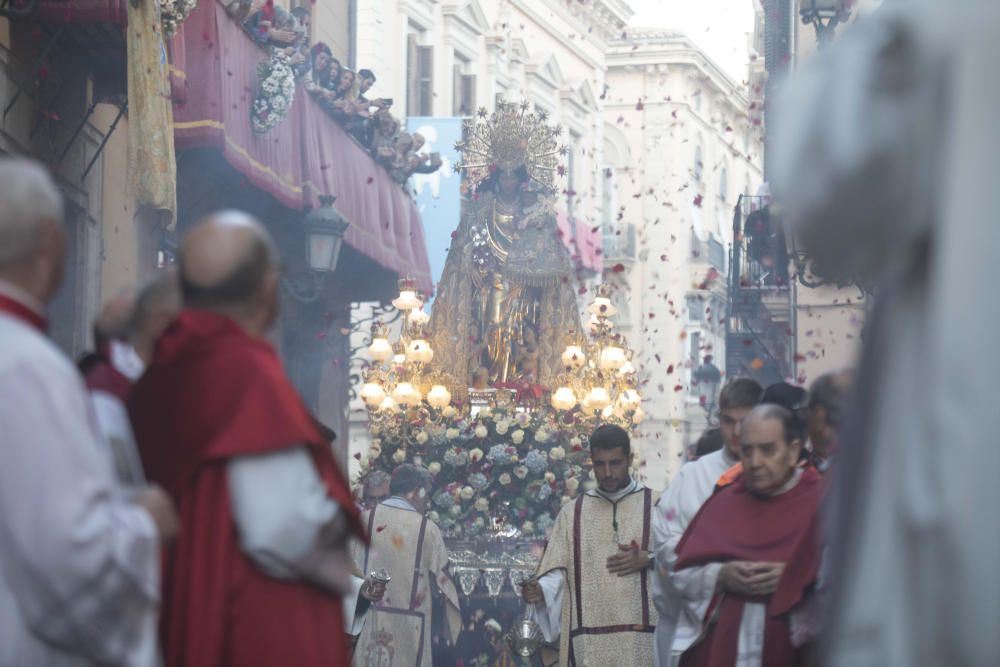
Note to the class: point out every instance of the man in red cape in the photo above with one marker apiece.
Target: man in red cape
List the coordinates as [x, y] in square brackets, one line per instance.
[757, 541]
[256, 575]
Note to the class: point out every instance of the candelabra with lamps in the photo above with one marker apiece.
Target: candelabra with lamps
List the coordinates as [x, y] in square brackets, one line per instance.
[400, 388]
[598, 384]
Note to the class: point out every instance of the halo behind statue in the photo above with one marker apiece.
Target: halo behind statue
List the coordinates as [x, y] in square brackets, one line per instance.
[508, 139]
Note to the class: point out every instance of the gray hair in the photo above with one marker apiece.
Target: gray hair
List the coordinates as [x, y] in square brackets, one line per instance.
[28, 199]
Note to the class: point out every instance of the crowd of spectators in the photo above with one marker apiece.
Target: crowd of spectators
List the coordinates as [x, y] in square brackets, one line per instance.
[340, 91]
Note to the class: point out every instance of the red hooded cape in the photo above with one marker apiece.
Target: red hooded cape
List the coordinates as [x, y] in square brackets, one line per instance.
[736, 525]
[213, 393]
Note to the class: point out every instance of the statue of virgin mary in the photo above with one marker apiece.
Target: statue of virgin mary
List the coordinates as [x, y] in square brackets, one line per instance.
[507, 296]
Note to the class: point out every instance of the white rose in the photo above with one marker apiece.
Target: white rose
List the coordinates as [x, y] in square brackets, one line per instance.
[451, 433]
[399, 455]
[514, 458]
[557, 453]
[550, 477]
[517, 437]
[422, 437]
[503, 427]
[485, 412]
[481, 431]
[479, 523]
[455, 510]
[575, 442]
[374, 453]
[449, 412]
[433, 516]
[377, 442]
[541, 435]
[527, 528]
[505, 479]
[482, 505]
[572, 484]
[475, 455]
[467, 493]
[521, 472]
[434, 467]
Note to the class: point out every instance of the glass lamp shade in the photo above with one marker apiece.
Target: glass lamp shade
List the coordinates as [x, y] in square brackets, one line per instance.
[608, 412]
[324, 231]
[629, 399]
[407, 300]
[626, 369]
[613, 358]
[420, 351]
[598, 398]
[439, 396]
[406, 394]
[380, 350]
[372, 394]
[602, 307]
[418, 317]
[388, 405]
[563, 399]
[573, 356]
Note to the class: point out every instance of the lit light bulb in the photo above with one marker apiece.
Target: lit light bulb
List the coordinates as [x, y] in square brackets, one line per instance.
[598, 398]
[626, 369]
[419, 350]
[406, 394]
[573, 356]
[388, 405]
[380, 350]
[629, 399]
[563, 399]
[407, 300]
[439, 396]
[418, 317]
[602, 307]
[372, 393]
[613, 358]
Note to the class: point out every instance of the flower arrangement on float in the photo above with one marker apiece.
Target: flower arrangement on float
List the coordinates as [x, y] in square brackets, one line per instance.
[501, 468]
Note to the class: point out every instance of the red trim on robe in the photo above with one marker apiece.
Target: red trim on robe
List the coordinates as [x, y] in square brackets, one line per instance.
[24, 313]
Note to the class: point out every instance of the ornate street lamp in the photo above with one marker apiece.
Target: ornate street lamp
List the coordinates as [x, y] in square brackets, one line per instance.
[325, 227]
[825, 16]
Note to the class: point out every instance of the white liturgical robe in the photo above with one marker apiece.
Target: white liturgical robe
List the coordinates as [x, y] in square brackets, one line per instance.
[603, 619]
[79, 562]
[885, 156]
[680, 621]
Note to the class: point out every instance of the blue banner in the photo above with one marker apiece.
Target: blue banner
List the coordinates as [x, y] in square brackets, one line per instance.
[438, 195]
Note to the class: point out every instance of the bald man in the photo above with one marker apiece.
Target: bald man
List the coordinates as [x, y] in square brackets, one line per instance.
[125, 334]
[79, 562]
[257, 575]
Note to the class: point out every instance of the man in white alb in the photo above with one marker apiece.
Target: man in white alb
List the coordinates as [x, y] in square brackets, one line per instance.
[681, 500]
[79, 562]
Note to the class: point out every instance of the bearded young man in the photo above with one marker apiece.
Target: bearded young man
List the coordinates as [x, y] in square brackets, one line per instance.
[599, 553]
[682, 499]
[753, 550]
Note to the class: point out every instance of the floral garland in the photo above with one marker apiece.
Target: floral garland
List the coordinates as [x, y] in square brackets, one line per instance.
[501, 469]
[277, 91]
[173, 13]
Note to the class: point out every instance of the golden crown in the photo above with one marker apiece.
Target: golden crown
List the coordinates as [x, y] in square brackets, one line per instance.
[510, 138]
